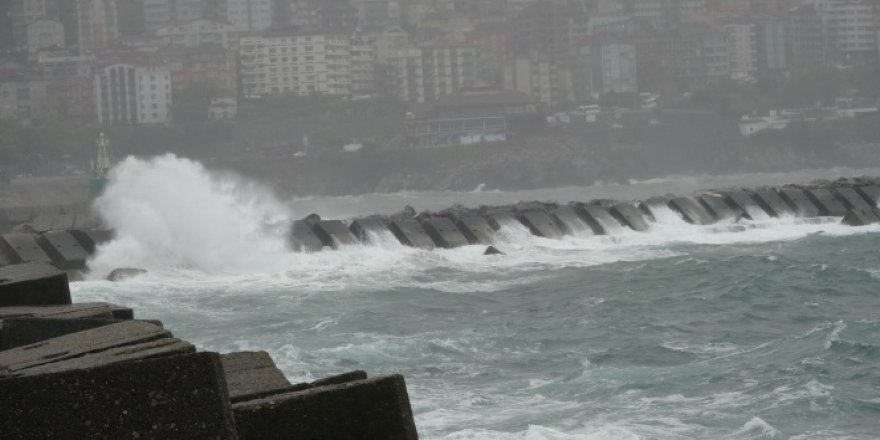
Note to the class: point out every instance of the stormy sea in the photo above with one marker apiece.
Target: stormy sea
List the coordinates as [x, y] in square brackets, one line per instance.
[765, 329]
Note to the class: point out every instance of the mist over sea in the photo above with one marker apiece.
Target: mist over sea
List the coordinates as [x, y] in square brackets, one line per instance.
[681, 332]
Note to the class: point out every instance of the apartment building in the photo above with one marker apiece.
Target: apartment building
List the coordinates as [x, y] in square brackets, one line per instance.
[201, 32]
[97, 24]
[252, 15]
[128, 94]
[160, 14]
[300, 64]
[424, 73]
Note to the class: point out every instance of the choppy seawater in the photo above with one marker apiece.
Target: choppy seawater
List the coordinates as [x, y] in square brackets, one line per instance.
[678, 333]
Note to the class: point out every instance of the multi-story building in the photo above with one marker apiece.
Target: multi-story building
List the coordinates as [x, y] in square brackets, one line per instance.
[72, 97]
[299, 64]
[376, 14]
[550, 80]
[24, 12]
[364, 81]
[850, 27]
[770, 37]
[424, 73]
[208, 64]
[96, 23]
[201, 32]
[741, 49]
[23, 99]
[326, 15]
[44, 34]
[252, 15]
[806, 37]
[160, 14]
[614, 68]
[128, 94]
[61, 65]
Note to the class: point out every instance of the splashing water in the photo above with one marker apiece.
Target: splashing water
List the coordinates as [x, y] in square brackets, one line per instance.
[170, 212]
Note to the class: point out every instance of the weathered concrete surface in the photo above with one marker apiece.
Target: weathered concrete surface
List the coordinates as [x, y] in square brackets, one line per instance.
[251, 375]
[630, 215]
[176, 397]
[571, 221]
[797, 199]
[770, 200]
[744, 201]
[87, 220]
[599, 218]
[499, 219]
[871, 194]
[89, 239]
[851, 199]
[692, 211]
[541, 224]
[33, 284]
[718, 207]
[650, 206]
[303, 238]
[17, 332]
[444, 232]
[827, 202]
[43, 223]
[334, 233]
[376, 408]
[411, 233]
[64, 222]
[25, 248]
[64, 249]
[475, 228]
[124, 273]
[71, 311]
[363, 227]
[492, 250]
[861, 217]
[18, 361]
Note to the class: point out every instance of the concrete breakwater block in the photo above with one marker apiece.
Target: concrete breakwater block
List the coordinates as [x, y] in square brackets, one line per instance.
[744, 202]
[798, 200]
[499, 219]
[362, 228]
[650, 207]
[851, 199]
[64, 249]
[692, 211]
[251, 375]
[33, 284]
[871, 194]
[334, 233]
[541, 224]
[87, 220]
[827, 202]
[770, 200]
[375, 408]
[176, 397]
[630, 215]
[64, 222]
[71, 311]
[475, 228]
[444, 232]
[861, 217]
[303, 238]
[24, 248]
[570, 222]
[718, 207]
[411, 233]
[90, 239]
[42, 223]
[599, 218]
[19, 361]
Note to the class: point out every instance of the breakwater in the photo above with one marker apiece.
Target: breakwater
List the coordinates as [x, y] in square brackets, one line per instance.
[92, 370]
[67, 240]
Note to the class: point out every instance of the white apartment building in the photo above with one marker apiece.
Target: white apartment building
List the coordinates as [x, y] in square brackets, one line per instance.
[614, 70]
[252, 15]
[742, 50]
[424, 73]
[126, 94]
[850, 25]
[304, 64]
[201, 32]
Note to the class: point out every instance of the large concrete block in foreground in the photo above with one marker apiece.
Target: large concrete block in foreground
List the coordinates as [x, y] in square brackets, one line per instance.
[871, 194]
[475, 228]
[851, 199]
[599, 218]
[334, 233]
[770, 200]
[64, 222]
[411, 233]
[64, 249]
[90, 239]
[692, 211]
[303, 238]
[859, 217]
[376, 408]
[175, 397]
[17, 332]
[33, 284]
[571, 221]
[24, 247]
[828, 204]
[797, 199]
[444, 232]
[252, 375]
[540, 224]
[630, 215]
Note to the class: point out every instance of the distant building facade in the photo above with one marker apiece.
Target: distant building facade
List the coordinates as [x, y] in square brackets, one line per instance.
[424, 73]
[127, 94]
